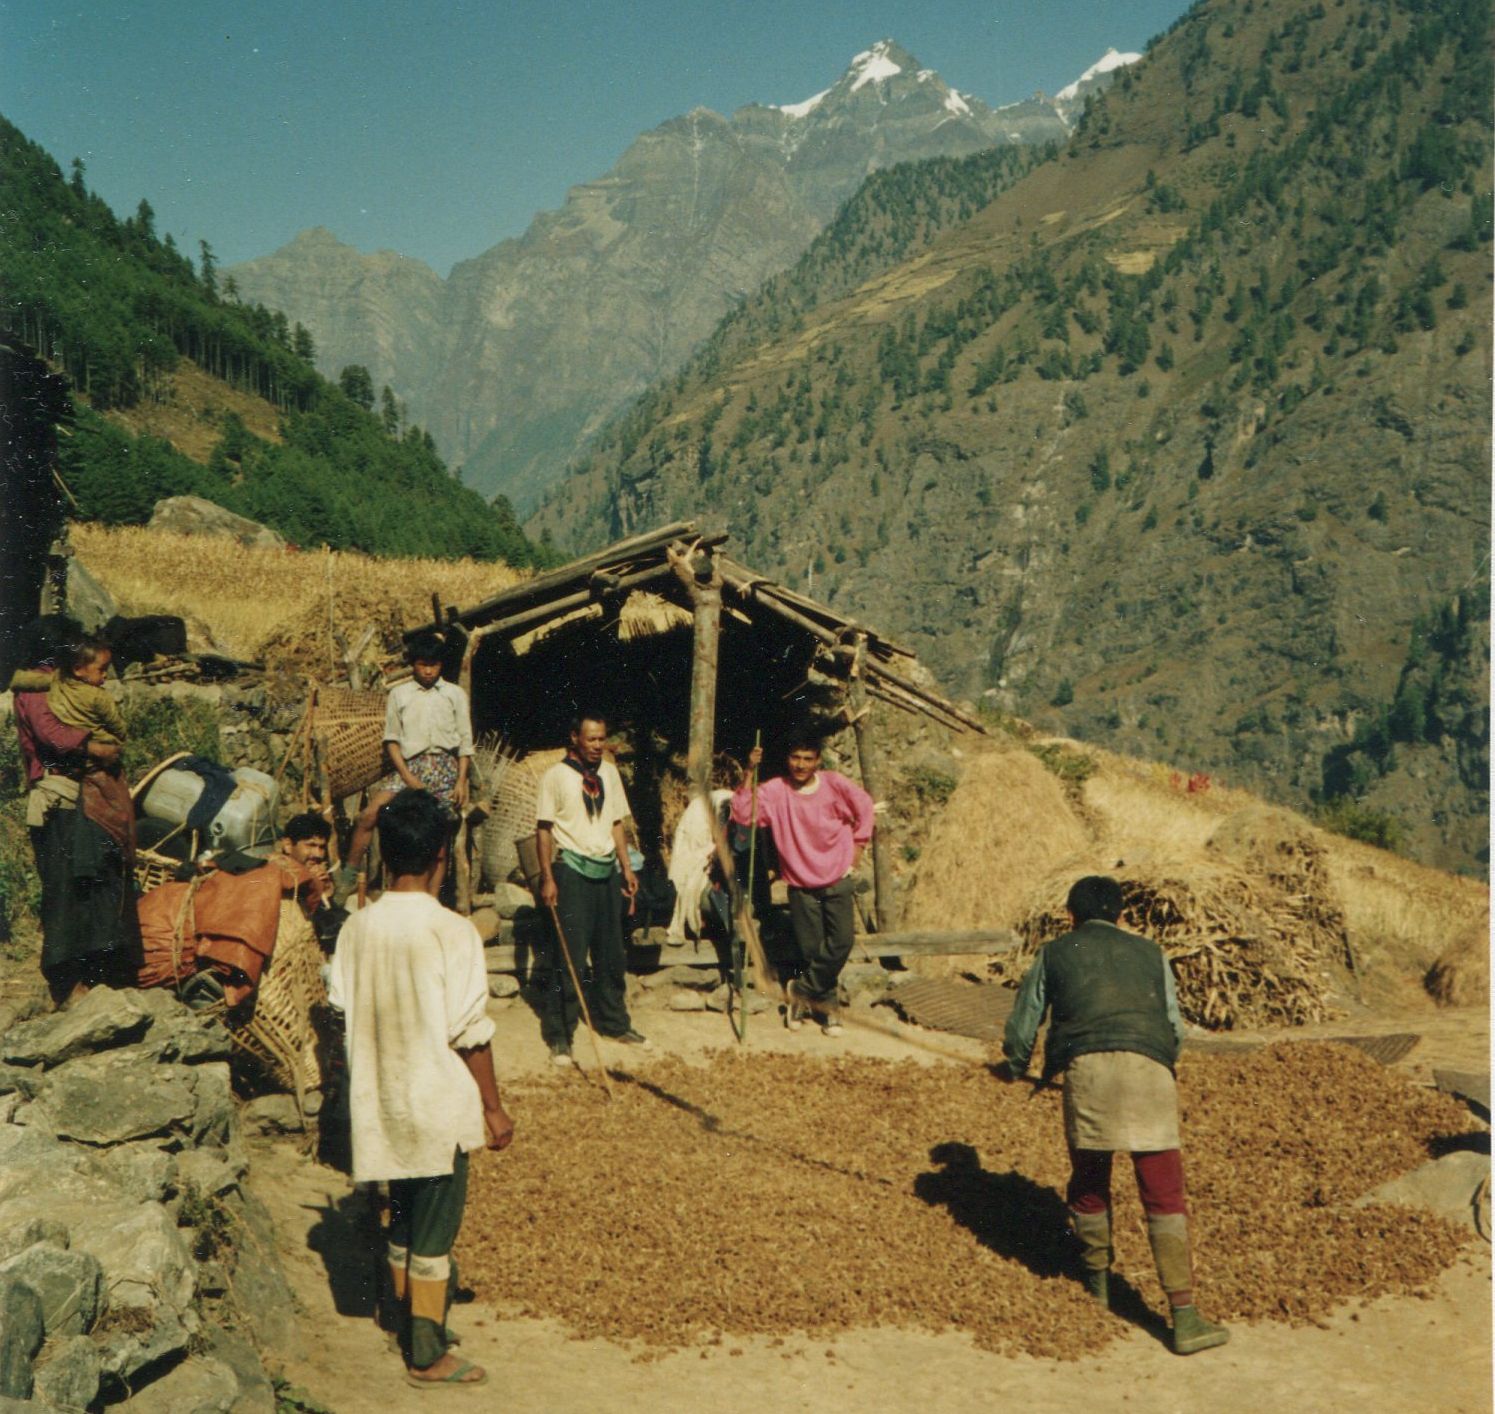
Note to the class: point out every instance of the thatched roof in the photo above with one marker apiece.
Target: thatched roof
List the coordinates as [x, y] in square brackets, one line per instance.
[633, 584]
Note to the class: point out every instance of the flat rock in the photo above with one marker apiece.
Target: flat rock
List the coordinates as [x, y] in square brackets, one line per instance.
[19, 1080]
[260, 1286]
[20, 1336]
[683, 999]
[271, 1114]
[502, 984]
[144, 1256]
[200, 1384]
[101, 1020]
[193, 515]
[207, 1173]
[124, 1354]
[97, 1101]
[69, 1286]
[141, 1170]
[1445, 1186]
[70, 1377]
[256, 1389]
[509, 898]
[215, 1118]
[27, 1232]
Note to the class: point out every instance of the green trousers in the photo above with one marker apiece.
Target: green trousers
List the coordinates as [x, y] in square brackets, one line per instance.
[425, 1215]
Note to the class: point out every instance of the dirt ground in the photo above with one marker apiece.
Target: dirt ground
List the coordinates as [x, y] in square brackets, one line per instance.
[1392, 1354]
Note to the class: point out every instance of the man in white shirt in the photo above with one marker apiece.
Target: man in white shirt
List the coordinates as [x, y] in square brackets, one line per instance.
[428, 736]
[585, 875]
[408, 977]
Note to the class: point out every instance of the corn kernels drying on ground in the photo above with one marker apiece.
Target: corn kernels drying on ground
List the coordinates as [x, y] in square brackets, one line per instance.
[764, 1195]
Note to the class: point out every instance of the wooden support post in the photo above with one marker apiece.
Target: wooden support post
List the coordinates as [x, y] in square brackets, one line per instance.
[869, 758]
[697, 570]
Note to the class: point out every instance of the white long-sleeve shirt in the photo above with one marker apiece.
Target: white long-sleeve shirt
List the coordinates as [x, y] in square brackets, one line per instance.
[408, 976]
[420, 718]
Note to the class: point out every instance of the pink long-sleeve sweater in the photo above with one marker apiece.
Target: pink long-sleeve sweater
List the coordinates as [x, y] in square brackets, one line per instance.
[815, 832]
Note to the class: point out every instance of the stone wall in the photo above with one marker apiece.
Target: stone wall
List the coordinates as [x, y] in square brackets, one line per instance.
[134, 1264]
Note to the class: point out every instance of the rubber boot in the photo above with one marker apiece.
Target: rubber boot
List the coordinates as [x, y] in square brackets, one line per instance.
[1169, 1236]
[1191, 1332]
[1094, 1232]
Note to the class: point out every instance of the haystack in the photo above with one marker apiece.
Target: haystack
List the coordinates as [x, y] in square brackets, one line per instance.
[1461, 976]
[1250, 923]
[1007, 823]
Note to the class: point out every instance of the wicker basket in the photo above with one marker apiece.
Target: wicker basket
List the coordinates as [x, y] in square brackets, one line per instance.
[349, 727]
[513, 815]
[152, 869]
[281, 1033]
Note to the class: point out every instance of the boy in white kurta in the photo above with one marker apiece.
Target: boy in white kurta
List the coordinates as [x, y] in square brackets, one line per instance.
[408, 976]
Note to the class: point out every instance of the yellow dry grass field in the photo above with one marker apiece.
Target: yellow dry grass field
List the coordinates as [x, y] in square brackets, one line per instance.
[248, 602]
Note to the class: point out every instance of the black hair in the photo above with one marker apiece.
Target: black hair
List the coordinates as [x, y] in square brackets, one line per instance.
[806, 739]
[306, 826]
[46, 638]
[413, 828]
[1095, 896]
[80, 652]
[425, 646]
[587, 714]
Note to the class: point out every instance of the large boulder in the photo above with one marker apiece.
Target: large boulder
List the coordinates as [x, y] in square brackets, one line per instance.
[192, 515]
[141, 1170]
[200, 1384]
[20, 1336]
[87, 600]
[107, 1099]
[259, 1282]
[68, 1284]
[69, 1378]
[102, 1019]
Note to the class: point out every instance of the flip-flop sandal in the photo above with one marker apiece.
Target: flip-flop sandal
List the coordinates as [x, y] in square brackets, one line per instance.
[454, 1380]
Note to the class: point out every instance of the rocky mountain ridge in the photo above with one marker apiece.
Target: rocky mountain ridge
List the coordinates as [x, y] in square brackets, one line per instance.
[518, 358]
[1181, 444]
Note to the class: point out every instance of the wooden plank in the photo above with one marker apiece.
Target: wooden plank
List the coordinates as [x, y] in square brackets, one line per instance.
[501, 956]
[980, 941]
[869, 759]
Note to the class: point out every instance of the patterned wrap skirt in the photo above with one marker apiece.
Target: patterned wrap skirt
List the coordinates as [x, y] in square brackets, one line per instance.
[436, 770]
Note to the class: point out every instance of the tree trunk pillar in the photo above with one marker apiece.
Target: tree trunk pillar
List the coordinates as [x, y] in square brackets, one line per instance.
[869, 759]
[706, 595]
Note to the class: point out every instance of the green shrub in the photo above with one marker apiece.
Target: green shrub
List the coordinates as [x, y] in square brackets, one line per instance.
[1358, 821]
[932, 785]
[157, 727]
[1074, 768]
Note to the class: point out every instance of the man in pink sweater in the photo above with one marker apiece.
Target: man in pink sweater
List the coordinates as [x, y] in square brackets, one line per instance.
[821, 823]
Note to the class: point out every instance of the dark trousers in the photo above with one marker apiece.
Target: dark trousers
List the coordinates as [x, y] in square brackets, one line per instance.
[591, 914]
[823, 922]
[425, 1215]
[1160, 1181]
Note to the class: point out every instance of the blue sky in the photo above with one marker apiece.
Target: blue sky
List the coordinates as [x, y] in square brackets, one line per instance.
[439, 128]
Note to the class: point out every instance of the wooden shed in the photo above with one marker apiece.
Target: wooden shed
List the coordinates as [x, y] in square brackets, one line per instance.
[683, 648]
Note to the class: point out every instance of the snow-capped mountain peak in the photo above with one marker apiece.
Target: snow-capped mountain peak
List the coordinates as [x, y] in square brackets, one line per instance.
[874, 64]
[1111, 59]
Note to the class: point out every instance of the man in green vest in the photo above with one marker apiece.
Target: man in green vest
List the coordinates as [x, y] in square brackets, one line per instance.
[1114, 1032]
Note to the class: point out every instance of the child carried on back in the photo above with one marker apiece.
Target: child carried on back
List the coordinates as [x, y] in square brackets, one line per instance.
[77, 697]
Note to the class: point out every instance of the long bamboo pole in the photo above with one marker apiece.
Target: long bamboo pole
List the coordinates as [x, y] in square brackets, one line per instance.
[581, 999]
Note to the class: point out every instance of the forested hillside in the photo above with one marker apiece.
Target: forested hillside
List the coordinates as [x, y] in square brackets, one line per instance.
[1181, 443]
[120, 309]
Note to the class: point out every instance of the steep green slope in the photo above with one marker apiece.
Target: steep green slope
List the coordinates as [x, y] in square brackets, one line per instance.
[1173, 443]
[116, 309]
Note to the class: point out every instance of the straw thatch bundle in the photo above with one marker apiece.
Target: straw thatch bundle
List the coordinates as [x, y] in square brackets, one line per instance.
[1461, 975]
[1007, 823]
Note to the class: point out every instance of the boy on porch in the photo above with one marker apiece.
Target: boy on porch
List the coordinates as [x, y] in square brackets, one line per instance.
[428, 735]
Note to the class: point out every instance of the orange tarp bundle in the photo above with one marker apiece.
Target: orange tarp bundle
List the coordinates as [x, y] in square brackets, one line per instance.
[224, 921]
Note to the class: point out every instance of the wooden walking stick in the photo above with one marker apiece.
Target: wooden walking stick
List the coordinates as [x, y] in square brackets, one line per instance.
[581, 999]
[746, 905]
